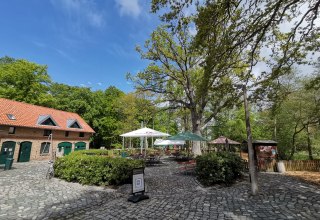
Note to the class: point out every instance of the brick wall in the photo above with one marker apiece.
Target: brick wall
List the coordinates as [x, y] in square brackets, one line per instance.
[35, 136]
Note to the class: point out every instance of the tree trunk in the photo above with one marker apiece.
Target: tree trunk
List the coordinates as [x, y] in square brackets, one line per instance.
[252, 168]
[275, 129]
[195, 119]
[309, 144]
[293, 149]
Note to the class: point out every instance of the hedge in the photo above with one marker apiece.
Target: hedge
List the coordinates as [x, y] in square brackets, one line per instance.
[94, 169]
[220, 167]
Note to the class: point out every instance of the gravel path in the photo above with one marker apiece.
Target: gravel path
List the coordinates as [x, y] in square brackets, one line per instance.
[26, 194]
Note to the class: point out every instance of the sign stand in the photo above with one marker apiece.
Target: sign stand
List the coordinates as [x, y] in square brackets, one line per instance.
[138, 187]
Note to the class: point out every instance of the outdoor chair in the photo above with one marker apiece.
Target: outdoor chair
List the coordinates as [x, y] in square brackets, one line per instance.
[187, 167]
[153, 160]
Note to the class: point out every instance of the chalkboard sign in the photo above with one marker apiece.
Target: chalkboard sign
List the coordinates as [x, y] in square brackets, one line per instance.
[138, 180]
[138, 186]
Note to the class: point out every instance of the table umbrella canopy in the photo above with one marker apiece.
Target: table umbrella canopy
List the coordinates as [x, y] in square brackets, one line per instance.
[160, 142]
[223, 140]
[187, 136]
[145, 132]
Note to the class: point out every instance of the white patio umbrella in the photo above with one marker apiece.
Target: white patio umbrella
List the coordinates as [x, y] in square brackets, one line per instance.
[145, 132]
[160, 142]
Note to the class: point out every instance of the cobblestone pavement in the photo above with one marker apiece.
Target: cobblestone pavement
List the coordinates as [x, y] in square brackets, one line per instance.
[26, 194]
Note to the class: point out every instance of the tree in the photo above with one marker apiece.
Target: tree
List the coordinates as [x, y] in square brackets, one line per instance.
[24, 81]
[249, 26]
[295, 115]
[100, 109]
[260, 20]
[176, 76]
[231, 124]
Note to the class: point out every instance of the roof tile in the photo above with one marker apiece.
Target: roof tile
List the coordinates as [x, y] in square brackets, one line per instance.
[27, 115]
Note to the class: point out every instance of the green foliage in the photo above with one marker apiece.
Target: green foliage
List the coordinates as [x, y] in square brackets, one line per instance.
[221, 167]
[232, 125]
[98, 152]
[176, 75]
[95, 169]
[25, 81]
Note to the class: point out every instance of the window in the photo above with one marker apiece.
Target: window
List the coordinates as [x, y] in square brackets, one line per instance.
[47, 133]
[66, 134]
[73, 123]
[11, 116]
[81, 134]
[44, 149]
[12, 130]
[46, 120]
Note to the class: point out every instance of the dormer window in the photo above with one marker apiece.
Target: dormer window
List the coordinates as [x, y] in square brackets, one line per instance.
[49, 122]
[73, 123]
[46, 120]
[11, 116]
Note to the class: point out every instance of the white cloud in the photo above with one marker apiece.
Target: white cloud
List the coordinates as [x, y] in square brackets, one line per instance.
[99, 84]
[118, 50]
[89, 83]
[81, 12]
[193, 30]
[129, 7]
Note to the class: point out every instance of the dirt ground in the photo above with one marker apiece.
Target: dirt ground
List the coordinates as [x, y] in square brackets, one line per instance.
[311, 177]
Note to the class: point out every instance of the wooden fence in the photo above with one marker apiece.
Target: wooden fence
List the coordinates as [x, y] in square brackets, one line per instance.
[302, 165]
[290, 165]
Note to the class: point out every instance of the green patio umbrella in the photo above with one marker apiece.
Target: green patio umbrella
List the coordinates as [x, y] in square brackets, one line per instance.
[187, 136]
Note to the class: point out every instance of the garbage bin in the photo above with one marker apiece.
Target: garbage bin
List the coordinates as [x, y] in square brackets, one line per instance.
[8, 164]
[281, 167]
[124, 154]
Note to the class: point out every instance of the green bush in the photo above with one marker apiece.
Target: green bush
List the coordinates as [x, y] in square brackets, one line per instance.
[220, 167]
[95, 169]
[94, 152]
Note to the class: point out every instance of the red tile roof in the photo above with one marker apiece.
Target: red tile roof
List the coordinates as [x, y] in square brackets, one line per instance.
[27, 115]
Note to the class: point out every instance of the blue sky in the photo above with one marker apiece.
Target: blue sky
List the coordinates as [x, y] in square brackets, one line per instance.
[83, 42]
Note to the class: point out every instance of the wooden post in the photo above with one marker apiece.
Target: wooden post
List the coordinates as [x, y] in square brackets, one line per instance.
[252, 168]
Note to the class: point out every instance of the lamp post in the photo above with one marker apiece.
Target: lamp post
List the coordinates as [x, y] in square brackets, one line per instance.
[51, 147]
[252, 168]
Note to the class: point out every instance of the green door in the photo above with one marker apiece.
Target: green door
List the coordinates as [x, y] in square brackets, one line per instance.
[67, 147]
[25, 151]
[7, 151]
[80, 146]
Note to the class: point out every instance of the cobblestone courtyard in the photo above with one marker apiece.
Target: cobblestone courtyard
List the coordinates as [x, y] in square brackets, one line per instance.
[26, 194]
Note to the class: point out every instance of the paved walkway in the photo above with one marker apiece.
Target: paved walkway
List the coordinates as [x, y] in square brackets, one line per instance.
[26, 194]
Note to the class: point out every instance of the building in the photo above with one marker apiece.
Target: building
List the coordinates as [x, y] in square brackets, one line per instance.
[27, 132]
[265, 154]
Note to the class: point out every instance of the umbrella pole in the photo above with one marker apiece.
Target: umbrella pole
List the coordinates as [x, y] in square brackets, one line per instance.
[145, 146]
[141, 144]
